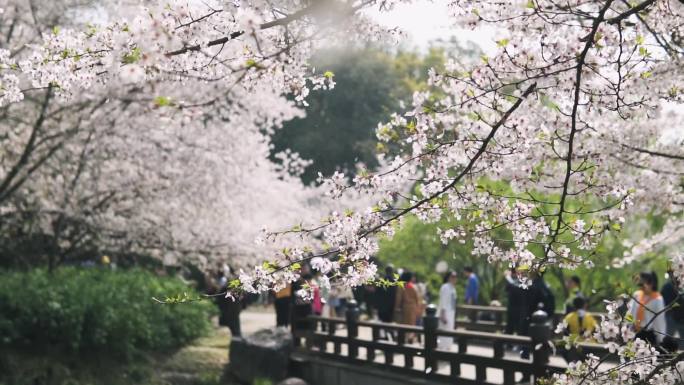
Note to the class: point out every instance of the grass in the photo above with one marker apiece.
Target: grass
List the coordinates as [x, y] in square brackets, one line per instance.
[201, 363]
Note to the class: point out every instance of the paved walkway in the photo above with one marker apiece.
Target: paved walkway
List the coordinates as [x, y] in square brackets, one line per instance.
[256, 318]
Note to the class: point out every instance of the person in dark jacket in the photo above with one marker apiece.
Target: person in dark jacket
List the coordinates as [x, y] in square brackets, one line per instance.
[538, 294]
[516, 306]
[384, 300]
[385, 297]
[229, 309]
[573, 284]
[674, 317]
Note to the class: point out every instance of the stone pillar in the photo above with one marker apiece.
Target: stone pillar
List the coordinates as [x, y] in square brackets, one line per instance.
[430, 324]
[540, 333]
[352, 317]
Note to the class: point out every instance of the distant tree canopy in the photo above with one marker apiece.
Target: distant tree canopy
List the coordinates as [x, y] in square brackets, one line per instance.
[418, 248]
[338, 131]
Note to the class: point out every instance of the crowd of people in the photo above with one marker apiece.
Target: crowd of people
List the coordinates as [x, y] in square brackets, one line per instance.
[402, 300]
[654, 315]
[657, 316]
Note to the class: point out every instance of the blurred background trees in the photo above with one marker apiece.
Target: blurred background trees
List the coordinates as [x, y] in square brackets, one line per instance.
[338, 134]
[338, 131]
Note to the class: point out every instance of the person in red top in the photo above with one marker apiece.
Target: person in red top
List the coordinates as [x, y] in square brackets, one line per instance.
[317, 302]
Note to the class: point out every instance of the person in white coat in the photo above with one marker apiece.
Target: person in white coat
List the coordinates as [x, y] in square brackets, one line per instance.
[646, 309]
[447, 309]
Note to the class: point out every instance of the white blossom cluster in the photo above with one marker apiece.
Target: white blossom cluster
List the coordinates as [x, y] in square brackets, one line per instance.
[174, 101]
[141, 130]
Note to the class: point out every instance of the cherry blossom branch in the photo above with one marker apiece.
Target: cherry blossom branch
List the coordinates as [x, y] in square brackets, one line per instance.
[653, 153]
[6, 187]
[634, 10]
[284, 21]
[465, 170]
[573, 125]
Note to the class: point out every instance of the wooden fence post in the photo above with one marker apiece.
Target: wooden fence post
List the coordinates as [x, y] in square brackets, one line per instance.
[430, 324]
[352, 317]
[540, 332]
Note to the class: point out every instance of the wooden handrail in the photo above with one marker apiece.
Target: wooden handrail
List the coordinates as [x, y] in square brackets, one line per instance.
[493, 309]
[494, 337]
[389, 326]
[336, 320]
[426, 360]
[502, 309]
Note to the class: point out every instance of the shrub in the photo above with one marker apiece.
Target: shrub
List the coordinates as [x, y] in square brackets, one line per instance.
[88, 311]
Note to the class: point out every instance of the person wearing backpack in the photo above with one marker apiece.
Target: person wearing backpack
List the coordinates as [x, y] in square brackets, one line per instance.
[674, 317]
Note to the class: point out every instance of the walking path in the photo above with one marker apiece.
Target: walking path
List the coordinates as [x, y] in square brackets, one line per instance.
[256, 318]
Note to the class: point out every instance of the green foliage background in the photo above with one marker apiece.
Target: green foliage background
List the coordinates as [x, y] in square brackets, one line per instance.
[417, 247]
[338, 131]
[93, 311]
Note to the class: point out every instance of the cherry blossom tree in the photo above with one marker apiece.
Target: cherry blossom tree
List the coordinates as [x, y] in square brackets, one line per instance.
[576, 111]
[94, 163]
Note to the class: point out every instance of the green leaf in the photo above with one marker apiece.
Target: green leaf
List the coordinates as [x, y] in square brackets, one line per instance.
[251, 63]
[328, 74]
[646, 74]
[511, 98]
[547, 102]
[133, 56]
[90, 32]
[616, 226]
[55, 30]
[473, 116]
[673, 92]
[644, 52]
[269, 266]
[502, 43]
[162, 101]
[597, 36]
[530, 4]
[640, 39]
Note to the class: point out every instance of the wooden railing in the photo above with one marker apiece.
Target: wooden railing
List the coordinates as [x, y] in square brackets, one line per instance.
[485, 352]
[492, 318]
